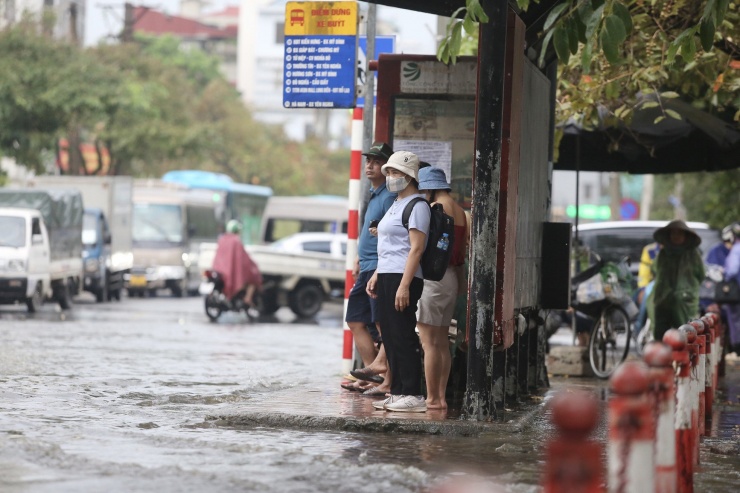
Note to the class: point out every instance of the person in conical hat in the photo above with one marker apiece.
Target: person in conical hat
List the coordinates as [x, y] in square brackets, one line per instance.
[679, 271]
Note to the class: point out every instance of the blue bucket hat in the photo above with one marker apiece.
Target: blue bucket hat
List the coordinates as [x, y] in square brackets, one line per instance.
[431, 178]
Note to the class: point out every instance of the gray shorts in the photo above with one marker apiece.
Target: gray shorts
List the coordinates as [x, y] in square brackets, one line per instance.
[437, 302]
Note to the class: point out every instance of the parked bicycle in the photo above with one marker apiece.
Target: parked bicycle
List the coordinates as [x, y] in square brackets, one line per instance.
[601, 293]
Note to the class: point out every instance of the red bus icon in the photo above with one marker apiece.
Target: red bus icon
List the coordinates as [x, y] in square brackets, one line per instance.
[296, 17]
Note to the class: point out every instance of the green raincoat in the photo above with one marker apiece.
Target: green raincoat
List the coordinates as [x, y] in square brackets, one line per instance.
[679, 271]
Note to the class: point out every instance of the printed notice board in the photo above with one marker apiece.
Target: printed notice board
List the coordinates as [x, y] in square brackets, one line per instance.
[319, 63]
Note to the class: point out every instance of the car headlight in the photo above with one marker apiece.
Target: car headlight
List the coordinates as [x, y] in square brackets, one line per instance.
[16, 265]
[92, 265]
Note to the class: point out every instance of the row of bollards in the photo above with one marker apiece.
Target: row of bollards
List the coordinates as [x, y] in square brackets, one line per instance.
[657, 412]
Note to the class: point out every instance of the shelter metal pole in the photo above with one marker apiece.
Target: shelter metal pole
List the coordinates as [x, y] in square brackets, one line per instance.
[578, 209]
[479, 402]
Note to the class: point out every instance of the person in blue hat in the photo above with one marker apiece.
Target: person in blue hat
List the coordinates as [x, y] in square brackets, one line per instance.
[438, 298]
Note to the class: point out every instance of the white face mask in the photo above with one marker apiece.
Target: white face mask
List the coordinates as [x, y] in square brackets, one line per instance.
[396, 185]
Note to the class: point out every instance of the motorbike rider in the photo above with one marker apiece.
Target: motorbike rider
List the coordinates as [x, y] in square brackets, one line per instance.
[235, 266]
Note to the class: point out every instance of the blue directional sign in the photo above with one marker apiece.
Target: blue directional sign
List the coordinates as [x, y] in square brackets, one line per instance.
[320, 55]
[383, 44]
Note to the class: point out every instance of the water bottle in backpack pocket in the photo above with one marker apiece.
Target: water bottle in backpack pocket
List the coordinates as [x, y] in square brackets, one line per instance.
[438, 252]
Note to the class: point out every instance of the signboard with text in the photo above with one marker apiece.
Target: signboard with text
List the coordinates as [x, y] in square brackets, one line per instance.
[383, 44]
[320, 54]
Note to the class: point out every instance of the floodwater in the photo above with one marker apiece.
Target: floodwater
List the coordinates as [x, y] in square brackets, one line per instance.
[114, 397]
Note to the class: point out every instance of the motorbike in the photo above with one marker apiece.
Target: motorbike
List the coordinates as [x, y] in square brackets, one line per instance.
[216, 302]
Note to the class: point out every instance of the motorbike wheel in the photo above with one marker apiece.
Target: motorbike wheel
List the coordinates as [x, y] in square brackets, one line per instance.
[213, 308]
[267, 302]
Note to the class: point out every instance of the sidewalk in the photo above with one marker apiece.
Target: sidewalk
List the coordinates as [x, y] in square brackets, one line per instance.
[333, 408]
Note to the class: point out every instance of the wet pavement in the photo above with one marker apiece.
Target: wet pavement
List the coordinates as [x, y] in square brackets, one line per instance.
[146, 395]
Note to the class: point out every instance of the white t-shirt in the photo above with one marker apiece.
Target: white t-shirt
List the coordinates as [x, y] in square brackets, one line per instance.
[394, 245]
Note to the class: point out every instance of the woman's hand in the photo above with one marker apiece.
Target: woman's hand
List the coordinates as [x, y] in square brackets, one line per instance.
[370, 288]
[373, 231]
[402, 298]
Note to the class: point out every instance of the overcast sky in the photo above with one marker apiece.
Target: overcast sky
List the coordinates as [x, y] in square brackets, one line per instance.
[416, 31]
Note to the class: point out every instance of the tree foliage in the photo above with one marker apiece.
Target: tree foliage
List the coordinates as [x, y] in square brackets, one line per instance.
[154, 108]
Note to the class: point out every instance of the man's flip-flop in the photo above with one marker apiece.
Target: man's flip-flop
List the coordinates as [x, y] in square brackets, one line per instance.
[350, 386]
[367, 374]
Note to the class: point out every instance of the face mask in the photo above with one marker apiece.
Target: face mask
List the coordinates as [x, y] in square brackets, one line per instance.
[396, 185]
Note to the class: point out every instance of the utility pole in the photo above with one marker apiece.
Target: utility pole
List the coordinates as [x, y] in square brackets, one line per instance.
[368, 113]
[127, 35]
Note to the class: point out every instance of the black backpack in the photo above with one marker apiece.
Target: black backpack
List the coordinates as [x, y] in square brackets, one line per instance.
[437, 254]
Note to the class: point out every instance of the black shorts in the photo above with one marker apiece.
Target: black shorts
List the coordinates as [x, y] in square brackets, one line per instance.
[360, 306]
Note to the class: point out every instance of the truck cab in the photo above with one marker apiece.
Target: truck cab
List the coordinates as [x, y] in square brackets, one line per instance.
[24, 258]
[96, 253]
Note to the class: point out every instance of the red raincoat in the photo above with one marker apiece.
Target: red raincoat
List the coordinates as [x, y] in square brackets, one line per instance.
[235, 265]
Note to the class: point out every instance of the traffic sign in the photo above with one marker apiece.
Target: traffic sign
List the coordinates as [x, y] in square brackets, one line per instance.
[383, 44]
[629, 209]
[320, 54]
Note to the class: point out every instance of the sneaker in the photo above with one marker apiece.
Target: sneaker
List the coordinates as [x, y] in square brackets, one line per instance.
[408, 404]
[380, 405]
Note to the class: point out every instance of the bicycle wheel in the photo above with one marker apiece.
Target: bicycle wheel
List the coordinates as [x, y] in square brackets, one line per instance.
[644, 338]
[610, 341]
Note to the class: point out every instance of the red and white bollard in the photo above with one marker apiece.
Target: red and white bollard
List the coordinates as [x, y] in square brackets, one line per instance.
[353, 228]
[678, 341]
[573, 461]
[659, 358]
[701, 372]
[631, 431]
[693, 346]
[711, 336]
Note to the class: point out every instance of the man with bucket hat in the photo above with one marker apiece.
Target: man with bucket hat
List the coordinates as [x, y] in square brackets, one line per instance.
[679, 271]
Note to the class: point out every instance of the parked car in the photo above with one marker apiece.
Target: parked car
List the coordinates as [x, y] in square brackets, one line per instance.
[331, 243]
[616, 239]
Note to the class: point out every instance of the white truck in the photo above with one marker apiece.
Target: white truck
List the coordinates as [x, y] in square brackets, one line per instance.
[106, 234]
[40, 246]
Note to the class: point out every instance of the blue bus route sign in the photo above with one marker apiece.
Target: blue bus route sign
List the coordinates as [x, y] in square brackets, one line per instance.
[320, 55]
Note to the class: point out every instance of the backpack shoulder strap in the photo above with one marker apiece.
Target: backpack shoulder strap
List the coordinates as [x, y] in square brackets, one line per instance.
[407, 210]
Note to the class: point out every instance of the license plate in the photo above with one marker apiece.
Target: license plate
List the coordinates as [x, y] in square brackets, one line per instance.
[137, 281]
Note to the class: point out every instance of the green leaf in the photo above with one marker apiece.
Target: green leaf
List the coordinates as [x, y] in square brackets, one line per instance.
[674, 114]
[649, 104]
[572, 36]
[562, 43]
[616, 29]
[554, 14]
[456, 41]
[580, 28]
[586, 56]
[624, 15]
[658, 120]
[469, 25]
[706, 34]
[669, 94]
[609, 47]
[593, 22]
[543, 50]
[688, 49]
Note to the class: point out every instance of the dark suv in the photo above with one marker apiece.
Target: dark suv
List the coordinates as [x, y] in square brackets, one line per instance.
[617, 239]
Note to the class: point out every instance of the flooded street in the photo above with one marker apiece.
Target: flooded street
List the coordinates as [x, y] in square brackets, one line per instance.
[115, 397]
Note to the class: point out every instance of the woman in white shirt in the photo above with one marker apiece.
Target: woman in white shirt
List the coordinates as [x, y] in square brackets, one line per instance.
[398, 283]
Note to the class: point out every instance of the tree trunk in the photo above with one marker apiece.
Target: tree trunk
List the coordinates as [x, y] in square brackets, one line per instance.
[76, 161]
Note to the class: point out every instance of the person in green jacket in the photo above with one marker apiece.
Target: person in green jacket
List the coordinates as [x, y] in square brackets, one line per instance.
[679, 271]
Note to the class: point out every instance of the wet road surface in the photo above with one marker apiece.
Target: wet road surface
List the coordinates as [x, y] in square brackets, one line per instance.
[114, 397]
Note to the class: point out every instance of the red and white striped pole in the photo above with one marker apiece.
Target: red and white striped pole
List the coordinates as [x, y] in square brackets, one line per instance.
[693, 345]
[659, 358]
[678, 340]
[631, 431]
[355, 167]
[701, 372]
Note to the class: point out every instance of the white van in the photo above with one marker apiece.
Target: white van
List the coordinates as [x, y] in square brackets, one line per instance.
[285, 216]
